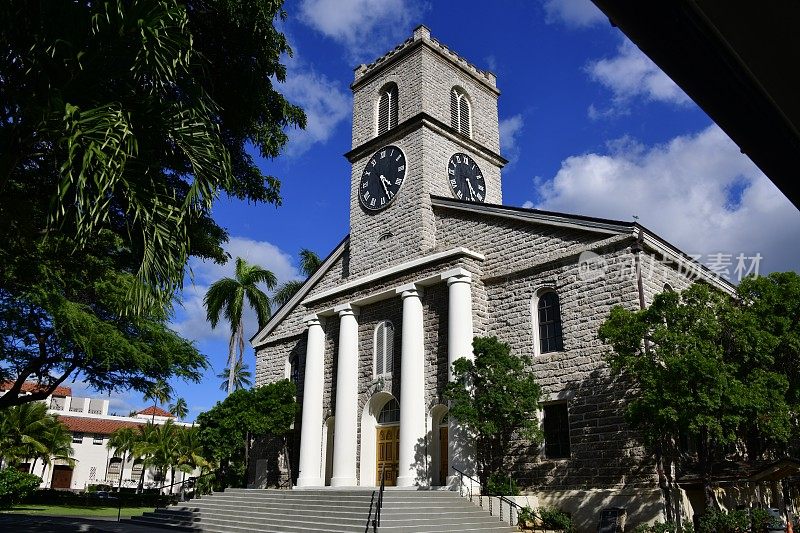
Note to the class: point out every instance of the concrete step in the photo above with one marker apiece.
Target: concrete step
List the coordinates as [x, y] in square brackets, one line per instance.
[325, 511]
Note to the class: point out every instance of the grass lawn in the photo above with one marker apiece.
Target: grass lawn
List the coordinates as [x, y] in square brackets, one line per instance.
[76, 510]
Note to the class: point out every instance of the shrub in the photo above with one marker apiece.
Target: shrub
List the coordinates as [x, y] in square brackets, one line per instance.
[501, 484]
[762, 519]
[15, 486]
[668, 527]
[722, 522]
[553, 518]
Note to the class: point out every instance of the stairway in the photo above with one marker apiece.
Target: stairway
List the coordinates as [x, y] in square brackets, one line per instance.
[334, 511]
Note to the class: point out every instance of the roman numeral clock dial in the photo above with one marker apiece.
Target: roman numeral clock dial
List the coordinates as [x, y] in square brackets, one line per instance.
[382, 178]
[466, 179]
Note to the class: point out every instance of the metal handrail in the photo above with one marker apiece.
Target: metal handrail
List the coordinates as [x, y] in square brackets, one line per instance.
[512, 505]
[380, 497]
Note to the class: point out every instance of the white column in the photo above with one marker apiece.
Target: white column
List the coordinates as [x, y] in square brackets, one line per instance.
[461, 445]
[346, 422]
[310, 470]
[412, 392]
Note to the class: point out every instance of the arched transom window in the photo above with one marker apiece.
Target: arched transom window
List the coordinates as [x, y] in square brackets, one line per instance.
[390, 414]
[460, 112]
[549, 322]
[387, 108]
[384, 348]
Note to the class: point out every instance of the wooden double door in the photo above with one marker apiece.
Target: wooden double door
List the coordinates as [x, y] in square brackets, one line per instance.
[62, 477]
[386, 456]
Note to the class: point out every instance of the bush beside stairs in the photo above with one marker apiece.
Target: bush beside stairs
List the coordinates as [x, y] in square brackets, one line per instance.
[324, 511]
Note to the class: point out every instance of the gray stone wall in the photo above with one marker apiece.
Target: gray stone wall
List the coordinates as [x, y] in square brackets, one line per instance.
[604, 451]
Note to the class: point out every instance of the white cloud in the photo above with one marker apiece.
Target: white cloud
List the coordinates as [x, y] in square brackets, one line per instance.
[510, 128]
[365, 27]
[696, 191]
[325, 103]
[527, 204]
[192, 323]
[631, 74]
[573, 13]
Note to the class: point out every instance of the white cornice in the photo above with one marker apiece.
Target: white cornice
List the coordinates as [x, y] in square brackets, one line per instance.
[258, 338]
[391, 271]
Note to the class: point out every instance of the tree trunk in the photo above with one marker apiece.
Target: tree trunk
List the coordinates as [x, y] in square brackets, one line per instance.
[140, 488]
[232, 359]
[121, 471]
[246, 458]
[33, 465]
[703, 453]
[171, 480]
[665, 485]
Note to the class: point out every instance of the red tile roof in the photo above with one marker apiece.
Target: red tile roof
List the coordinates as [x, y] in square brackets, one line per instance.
[30, 386]
[155, 410]
[100, 426]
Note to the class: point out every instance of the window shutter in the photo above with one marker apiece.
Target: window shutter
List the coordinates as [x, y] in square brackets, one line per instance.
[379, 350]
[383, 113]
[464, 116]
[454, 97]
[389, 338]
[393, 107]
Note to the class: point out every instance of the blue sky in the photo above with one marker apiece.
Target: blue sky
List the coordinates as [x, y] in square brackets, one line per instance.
[589, 125]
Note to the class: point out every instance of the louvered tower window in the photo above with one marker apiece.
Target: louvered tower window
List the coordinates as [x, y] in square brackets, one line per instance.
[387, 108]
[384, 348]
[460, 112]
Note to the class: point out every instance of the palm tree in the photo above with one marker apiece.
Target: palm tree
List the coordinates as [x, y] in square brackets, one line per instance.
[179, 409]
[123, 441]
[309, 263]
[226, 296]
[190, 455]
[161, 448]
[241, 377]
[159, 392]
[23, 431]
[58, 440]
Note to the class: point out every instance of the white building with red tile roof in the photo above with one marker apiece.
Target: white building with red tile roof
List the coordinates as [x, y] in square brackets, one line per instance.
[91, 427]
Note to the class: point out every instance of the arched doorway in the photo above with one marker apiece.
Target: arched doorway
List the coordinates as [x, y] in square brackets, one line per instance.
[439, 440]
[380, 440]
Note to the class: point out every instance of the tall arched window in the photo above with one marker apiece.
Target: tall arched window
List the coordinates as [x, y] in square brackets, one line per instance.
[548, 314]
[294, 370]
[387, 108]
[460, 112]
[384, 348]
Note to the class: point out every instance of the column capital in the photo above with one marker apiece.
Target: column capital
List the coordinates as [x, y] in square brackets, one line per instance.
[457, 275]
[410, 289]
[346, 310]
[312, 320]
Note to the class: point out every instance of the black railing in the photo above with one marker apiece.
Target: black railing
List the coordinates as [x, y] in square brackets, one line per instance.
[513, 507]
[376, 522]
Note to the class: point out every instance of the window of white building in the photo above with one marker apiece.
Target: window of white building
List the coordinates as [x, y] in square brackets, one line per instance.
[384, 349]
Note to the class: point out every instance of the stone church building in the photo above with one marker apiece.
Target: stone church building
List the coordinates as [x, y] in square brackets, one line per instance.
[434, 258]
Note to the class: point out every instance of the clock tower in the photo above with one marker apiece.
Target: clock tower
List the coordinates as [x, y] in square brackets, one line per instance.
[424, 124]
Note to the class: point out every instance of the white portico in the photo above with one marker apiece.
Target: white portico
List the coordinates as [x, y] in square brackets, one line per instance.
[413, 452]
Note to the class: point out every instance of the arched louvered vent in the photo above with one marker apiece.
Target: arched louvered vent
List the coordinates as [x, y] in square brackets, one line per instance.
[460, 112]
[384, 348]
[387, 108]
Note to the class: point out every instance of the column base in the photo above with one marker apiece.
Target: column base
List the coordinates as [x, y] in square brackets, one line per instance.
[407, 481]
[309, 482]
[344, 482]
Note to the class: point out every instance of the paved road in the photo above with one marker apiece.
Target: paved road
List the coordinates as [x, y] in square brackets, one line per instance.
[20, 523]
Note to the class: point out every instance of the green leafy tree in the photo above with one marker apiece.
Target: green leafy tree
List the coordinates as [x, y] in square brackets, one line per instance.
[226, 298]
[495, 398]
[190, 455]
[23, 432]
[697, 376]
[242, 377]
[57, 440]
[309, 263]
[179, 409]
[120, 123]
[228, 430]
[63, 315]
